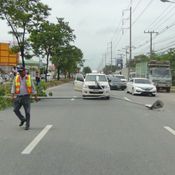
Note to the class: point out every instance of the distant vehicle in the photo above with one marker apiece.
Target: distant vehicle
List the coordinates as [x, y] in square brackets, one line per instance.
[1, 80]
[121, 77]
[117, 84]
[96, 85]
[141, 86]
[109, 77]
[159, 72]
[49, 76]
[78, 82]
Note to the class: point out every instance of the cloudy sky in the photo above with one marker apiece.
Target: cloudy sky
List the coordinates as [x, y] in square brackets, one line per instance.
[97, 23]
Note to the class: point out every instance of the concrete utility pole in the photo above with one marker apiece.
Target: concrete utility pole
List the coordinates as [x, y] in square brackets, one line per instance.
[105, 60]
[151, 41]
[126, 54]
[130, 37]
[111, 56]
[130, 41]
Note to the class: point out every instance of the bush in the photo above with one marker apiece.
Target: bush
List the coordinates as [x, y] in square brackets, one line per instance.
[41, 88]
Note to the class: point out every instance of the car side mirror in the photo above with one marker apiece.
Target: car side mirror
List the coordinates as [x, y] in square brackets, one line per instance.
[81, 79]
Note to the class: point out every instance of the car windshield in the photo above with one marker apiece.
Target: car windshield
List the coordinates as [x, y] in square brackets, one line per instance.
[142, 81]
[96, 78]
[120, 76]
[161, 72]
[114, 79]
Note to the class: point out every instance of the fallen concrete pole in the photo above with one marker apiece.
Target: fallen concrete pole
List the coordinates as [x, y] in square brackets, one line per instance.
[156, 105]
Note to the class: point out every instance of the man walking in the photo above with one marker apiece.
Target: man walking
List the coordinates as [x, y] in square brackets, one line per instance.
[22, 88]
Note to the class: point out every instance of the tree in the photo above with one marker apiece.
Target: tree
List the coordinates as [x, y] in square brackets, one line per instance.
[23, 16]
[67, 59]
[87, 70]
[50, 37]
[108, 69]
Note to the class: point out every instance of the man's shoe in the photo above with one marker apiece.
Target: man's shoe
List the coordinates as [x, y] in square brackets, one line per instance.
[26, 128]
[22, 123]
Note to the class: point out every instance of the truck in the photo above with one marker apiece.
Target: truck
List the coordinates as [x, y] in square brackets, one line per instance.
[159, 72]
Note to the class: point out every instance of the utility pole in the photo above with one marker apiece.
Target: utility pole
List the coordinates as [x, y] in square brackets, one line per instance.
[111, 56]
[130, 37]
[126, 54]
[151, 41]
[130, 42]
[105, 60]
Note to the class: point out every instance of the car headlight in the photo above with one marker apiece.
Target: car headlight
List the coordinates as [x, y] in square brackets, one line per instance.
[105, 87]
[137, 88]
[85, 86]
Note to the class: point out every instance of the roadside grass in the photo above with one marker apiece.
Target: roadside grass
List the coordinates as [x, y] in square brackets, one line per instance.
[172, 88]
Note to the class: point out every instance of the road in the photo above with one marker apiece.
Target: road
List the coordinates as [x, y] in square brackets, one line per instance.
[90, 137]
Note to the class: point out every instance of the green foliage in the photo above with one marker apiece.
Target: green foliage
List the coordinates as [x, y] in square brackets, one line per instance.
[53, 41]
[41, 88]
[109, 69]
[4, 103]
[23, 16]
[86, 70]
[4, 91]
[67, 58]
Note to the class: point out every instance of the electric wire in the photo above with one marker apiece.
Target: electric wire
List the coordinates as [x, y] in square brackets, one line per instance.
[160, 16]
[147, 6]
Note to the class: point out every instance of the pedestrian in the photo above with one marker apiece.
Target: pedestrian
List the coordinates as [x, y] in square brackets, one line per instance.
[37, 78]
[21, 90]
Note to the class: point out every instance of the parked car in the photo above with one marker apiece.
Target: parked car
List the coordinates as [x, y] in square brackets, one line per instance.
[141, 86]
[109, 77]
[96, 85]
[121, 77]
[117, 84]
[78, 82]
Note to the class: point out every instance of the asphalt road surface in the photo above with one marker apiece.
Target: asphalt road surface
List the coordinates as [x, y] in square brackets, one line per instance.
[90, 137]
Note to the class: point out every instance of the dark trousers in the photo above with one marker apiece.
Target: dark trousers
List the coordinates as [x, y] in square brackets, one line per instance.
[25, 102]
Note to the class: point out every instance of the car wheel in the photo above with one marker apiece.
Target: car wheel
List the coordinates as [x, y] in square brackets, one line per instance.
[108, 97]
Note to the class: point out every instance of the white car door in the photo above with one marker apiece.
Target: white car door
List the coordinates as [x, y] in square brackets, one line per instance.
[78, 82]
[130, 85]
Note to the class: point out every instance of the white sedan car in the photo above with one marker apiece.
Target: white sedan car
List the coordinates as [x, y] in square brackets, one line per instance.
[141, 86]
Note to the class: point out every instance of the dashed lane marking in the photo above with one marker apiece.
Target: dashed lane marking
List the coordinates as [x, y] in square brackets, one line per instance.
[36, 140]
[172, 131]
[127, 99]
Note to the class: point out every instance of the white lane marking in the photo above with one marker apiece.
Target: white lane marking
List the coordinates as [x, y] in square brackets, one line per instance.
[172, 131]
[127, 99]
[72, 99]
[36, 140]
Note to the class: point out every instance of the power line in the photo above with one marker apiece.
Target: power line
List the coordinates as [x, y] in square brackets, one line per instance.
[160, 16]
[147, 6]
[138, 3]
[165, 20]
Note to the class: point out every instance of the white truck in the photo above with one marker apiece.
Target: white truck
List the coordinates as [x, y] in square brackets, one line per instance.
[158, 72]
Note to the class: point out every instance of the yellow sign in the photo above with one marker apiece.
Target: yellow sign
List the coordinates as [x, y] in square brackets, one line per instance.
[7, 58]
